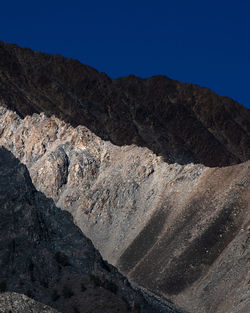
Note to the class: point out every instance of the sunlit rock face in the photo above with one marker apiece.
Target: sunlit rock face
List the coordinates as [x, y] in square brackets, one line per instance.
[153, 171]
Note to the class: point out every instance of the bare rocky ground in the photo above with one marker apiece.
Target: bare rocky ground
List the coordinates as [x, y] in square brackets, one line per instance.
[18, 303]
[142, 190]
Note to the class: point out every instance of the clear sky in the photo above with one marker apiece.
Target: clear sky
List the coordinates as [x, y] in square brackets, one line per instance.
[202, 42]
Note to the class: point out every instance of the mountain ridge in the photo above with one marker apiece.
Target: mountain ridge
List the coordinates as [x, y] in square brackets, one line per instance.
[128, 110]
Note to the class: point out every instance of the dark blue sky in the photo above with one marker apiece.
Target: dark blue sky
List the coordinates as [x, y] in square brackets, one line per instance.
[202, 42]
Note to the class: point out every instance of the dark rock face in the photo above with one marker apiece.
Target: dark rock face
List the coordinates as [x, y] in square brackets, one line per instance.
[181, 122]
[46, 257]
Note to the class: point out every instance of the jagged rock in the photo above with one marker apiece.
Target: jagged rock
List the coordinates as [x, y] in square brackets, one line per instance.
[46, 257]
[19, 303]
[112, 192]
[177, 228]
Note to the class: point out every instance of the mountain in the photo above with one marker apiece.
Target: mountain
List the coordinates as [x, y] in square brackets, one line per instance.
[181, 122]
[155, 172]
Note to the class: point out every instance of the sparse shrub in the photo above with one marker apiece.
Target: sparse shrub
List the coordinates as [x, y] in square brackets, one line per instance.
[135, 307]
[67, 292]
[3, 286]
[110, 286]
[31, 266]
[83, 288]
[62, 258]
[105, 265]
[95, 280]
[55, 296]
[29, 293]
[44, 283]
[76, 309]
[31, 270]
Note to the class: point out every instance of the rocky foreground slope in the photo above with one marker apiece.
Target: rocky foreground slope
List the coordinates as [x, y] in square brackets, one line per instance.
[168, 221]
[45, 256]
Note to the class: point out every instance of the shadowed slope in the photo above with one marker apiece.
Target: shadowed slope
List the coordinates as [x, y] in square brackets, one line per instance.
[181, 122]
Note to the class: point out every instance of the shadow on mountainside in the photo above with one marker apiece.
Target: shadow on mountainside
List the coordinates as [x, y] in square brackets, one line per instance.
[181, 122]
[45, 256]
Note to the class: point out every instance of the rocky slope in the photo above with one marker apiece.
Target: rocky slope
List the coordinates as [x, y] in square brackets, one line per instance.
[45, 256]
[176, 227]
